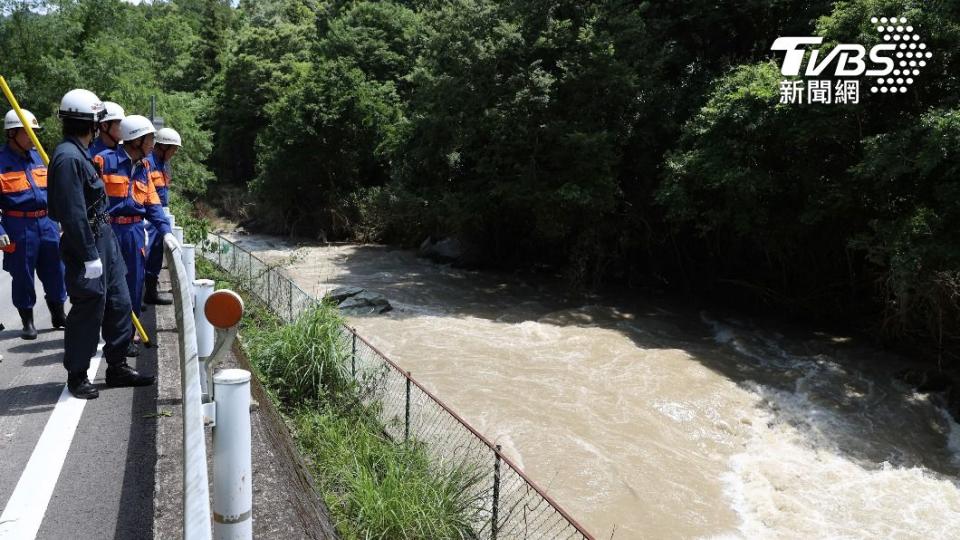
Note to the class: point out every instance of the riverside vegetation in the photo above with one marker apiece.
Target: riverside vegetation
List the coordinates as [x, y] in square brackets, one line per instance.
[373, 487]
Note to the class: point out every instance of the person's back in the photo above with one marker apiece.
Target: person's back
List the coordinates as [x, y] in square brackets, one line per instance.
[29, 238]
[94, 270]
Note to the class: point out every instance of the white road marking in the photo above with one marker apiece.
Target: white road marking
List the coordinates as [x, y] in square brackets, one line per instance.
[24, 512]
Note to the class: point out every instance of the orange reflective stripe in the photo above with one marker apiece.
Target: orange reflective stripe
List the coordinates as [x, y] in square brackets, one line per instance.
[40, 177]
[145, 193]
[158, 178]
[139, 192]
[98, 159]
[14, 182]
[116, 184]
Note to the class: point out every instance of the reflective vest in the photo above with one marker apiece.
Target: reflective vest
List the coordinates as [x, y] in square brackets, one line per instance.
[160, 175]
[23, 181]
[129, 189]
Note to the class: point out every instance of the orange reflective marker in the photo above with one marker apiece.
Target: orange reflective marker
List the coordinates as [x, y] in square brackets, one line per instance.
[224, 309]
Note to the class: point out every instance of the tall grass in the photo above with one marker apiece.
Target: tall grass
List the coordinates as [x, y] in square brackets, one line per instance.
[305, 361]
[373, 487]
[378, 489]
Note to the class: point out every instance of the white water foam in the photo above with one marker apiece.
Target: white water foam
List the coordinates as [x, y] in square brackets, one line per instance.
[806, 472]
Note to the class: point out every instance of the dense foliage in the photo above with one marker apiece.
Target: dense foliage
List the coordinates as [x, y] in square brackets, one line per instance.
[622, 142]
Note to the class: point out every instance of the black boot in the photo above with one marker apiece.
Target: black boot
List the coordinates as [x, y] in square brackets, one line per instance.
[79, 385]
[133, 350]
[58, 319]
[123, 375]
[26, 317]
[150, 295]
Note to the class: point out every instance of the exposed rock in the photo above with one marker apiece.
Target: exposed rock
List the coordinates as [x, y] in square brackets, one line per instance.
[340, 294]
[447, 250]
[361, 302]
[942, 388]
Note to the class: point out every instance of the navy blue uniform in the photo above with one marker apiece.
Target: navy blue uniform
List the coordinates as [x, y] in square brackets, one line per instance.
[23, 199]
[77, 199]
[160, 176]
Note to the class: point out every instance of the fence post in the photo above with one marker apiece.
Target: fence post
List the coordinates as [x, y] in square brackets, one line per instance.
[496, 494]
[233, 267]
[232, 468]
[353, 355]
[290, 299]
[269, 303]
[406, 424]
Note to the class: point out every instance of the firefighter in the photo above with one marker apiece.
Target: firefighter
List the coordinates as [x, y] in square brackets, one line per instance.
[132, 198]
[30, 239]
[95, 272]
[109, 129]
[167, 145]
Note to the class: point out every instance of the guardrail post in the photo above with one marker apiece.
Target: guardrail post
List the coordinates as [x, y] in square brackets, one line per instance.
[178, 234]
[496, 494]
[232, 468]
[203, 288]
[406, 424]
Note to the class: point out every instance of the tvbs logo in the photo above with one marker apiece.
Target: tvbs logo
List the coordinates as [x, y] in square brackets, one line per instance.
[890, 67]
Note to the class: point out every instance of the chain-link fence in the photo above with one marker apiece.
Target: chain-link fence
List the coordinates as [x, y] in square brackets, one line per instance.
[503, 502]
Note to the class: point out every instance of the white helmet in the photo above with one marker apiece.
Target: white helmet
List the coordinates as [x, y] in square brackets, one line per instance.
[80, 104]
[135, 126]
[11, 120]
[114, 112]
[168, 136]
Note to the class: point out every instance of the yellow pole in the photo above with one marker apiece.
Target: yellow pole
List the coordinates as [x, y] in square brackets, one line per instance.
[140, 330]
[46, 161]
[23, 119]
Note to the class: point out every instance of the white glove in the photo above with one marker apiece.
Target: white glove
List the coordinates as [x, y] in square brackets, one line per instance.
[4, 240]
[93, 269]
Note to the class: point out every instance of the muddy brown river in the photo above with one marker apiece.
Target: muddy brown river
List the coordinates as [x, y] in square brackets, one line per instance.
[651, 421]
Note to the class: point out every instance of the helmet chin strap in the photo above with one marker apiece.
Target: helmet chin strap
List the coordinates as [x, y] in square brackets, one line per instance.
[139, 148]
[109, 136]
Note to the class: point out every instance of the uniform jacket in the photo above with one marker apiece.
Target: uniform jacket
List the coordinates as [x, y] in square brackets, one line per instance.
[129, 189]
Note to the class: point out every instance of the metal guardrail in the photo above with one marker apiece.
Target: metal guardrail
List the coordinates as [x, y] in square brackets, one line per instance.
[196, 487]
[224, 405]
[506, 503]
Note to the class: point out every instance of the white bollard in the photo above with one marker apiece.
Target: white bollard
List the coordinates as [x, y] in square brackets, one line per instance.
[190, 262]
[178, 234]
[170, 216]
[202, 289]
[232, 468]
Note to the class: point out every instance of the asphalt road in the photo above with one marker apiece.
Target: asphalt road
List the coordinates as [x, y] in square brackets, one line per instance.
[105, 488]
